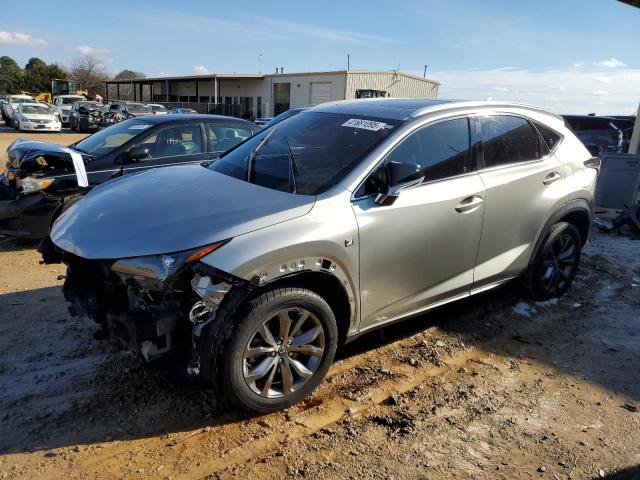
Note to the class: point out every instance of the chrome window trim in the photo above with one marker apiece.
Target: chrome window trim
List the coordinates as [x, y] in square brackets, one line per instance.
[409, 131]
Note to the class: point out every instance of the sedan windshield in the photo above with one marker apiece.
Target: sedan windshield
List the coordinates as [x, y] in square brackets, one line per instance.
[107, 140]
[305, 154]
[39, 109]
[22, 100]
[70, 100]
[137, 108]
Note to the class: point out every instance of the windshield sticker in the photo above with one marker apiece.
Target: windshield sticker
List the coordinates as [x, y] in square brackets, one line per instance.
[364, 124]
[140, 126]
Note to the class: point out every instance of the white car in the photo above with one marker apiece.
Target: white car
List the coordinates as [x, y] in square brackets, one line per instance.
[13, 102]
[36, 117]
[62, 106]
[158, 109]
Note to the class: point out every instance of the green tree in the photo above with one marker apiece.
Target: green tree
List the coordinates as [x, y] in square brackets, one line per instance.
[36, 76]
[11, 76]
[129, 75]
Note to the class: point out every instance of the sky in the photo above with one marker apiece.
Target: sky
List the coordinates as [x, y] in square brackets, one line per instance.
[569, 56]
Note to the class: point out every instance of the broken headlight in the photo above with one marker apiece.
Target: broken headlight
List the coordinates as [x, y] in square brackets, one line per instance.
[30, 184]
[163, 267]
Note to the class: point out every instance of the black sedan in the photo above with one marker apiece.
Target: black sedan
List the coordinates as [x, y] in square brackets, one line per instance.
[43, 179]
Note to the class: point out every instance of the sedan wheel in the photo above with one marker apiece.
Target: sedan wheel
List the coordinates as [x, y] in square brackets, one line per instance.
[279, 351]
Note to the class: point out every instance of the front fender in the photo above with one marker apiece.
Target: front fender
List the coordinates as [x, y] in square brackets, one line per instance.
[323, 240]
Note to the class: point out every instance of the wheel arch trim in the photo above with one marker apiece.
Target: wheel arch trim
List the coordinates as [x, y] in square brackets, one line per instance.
[579, 205]
[294, 267]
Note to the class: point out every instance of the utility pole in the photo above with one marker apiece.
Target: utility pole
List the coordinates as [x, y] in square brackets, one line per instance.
[260, 64]
[424, 75]
[348, 61]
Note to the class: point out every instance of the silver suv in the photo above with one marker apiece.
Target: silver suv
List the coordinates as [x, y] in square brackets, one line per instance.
[250, 272]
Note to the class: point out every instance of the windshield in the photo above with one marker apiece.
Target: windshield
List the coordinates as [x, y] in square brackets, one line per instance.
[137, 108]
[22, 100]
[282, 116]
[158, 108]
[40, 109]
[305, 154]
[107, 140]
[70, 100]
[90, 105]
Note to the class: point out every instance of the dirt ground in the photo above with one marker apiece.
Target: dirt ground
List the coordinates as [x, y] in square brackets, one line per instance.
[489, 388]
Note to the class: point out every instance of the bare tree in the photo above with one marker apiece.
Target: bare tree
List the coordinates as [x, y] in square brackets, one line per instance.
[89, 73]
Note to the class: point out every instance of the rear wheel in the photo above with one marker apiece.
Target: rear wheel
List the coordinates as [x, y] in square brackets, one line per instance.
[555, 264]
[280, 351]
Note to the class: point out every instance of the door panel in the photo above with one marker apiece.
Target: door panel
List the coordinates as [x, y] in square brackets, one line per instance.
[420, 249]
[521, 196]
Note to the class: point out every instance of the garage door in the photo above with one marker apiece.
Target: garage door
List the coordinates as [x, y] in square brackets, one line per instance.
[320, 92]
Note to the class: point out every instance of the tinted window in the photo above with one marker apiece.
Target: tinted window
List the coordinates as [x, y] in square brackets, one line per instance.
[224, 137]
[508, 139]
[551, 138]
[441, 150]
[175, 141]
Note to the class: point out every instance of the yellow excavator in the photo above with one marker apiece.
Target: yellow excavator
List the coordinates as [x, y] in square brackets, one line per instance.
[62, 87]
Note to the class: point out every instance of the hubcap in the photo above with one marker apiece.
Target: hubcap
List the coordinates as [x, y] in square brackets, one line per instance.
[283, 353]
[559, 263]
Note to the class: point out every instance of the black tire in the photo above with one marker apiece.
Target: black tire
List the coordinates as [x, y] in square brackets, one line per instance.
[555, 264]
[72, 126]
[237, 389]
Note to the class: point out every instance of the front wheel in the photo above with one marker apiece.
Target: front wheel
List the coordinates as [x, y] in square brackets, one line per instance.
[555, 264]
[280, 350]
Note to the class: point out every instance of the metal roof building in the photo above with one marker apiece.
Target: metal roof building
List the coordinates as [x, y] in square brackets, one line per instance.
[255, 95]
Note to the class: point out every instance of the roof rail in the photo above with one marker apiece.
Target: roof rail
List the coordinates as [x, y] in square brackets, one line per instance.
[481, 103]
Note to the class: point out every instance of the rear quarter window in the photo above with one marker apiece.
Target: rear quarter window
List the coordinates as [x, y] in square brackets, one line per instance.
[550, 137]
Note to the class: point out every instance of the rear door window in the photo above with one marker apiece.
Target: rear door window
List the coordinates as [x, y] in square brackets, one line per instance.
[508, 139]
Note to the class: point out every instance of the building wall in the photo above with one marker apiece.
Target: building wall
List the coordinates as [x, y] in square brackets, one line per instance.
[301, 87]
[396, 84]
[343, 86]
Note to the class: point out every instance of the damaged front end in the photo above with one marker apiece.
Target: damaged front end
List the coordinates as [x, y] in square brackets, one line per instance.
[157, 306]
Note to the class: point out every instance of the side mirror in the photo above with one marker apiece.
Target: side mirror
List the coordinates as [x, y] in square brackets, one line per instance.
[132, 156]
[400, 176]
[139, 152]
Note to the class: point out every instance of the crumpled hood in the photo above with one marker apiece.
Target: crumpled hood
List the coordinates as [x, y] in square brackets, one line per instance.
[33, 156]
[170, 209]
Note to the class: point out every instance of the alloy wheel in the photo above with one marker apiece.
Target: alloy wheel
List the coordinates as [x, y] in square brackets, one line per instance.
[559, 264]
[283, 353]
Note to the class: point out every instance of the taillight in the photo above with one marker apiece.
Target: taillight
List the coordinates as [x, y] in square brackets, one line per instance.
[594, 162]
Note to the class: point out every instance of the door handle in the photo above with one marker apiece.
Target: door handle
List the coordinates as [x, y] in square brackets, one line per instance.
[469, 203]
[552, 177]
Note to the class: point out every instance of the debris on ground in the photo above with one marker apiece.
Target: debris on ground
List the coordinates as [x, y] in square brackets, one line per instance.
[627, 223]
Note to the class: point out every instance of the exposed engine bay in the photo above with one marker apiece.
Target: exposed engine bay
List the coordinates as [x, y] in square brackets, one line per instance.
[158, 306]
